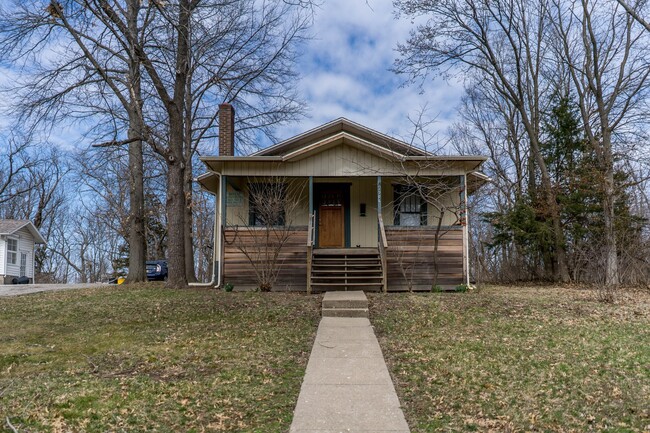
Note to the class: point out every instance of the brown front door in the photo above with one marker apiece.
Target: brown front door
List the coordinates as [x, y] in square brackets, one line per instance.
[331, 230]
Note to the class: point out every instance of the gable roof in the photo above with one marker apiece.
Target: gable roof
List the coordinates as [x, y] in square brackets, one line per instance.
[9, 227]
[339, 132]
[342, 126]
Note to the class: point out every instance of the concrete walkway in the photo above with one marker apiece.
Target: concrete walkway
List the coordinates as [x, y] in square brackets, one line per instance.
[347, 387]
[25, 289]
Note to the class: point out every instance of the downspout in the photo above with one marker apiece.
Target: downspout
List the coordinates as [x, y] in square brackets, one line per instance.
[216, 276]
[466, 229]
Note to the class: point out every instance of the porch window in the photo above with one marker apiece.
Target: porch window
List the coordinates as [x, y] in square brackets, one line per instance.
[410, 208]
[12, 251]
[267, 204]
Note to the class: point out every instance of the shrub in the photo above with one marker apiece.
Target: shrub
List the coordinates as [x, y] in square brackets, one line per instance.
[462, 288]
[228, 287]
[436, 289]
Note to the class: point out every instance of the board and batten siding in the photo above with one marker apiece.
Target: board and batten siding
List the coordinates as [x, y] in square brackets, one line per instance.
[339, 161]
[239, 199]
[25, 245]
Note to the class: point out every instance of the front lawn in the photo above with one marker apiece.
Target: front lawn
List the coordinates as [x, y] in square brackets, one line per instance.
[153, 359]
[518, 359]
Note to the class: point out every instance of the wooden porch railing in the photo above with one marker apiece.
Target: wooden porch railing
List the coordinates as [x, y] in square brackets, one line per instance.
[383, 244]
[310, 248]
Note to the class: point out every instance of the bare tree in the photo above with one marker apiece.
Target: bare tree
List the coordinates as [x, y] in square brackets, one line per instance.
[185, 57]
[606, 56]
[97, 74]
[634, 12]
[263, 233]
[504, 44]
[15, 163]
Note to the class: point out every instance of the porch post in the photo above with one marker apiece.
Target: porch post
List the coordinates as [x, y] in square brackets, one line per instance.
[310, 233]
[463, 222]
[381, 236]
[378, 194]
[311, 195]
[224, 192]
[222, 252]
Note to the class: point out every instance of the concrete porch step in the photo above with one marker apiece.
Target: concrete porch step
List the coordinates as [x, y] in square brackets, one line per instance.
[345, 304]
[345, 299]
[345, 312]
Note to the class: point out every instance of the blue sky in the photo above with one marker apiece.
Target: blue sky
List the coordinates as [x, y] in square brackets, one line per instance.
[346, 73]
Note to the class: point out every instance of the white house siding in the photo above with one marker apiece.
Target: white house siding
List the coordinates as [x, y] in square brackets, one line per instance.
[338, 161]
[25, 245]
[2, 256]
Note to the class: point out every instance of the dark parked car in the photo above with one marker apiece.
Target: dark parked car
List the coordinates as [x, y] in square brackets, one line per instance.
[157, 270]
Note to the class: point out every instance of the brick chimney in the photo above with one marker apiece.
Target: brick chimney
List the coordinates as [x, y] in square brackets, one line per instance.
[226, 130]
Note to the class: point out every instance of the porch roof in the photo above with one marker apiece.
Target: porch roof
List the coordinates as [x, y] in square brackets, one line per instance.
[475, 179]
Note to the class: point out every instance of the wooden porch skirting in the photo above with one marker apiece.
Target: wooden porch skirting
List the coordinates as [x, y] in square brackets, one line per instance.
[239, 271]
[410, 251]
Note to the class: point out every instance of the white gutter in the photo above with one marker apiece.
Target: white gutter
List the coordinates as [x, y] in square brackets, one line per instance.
[217, 241]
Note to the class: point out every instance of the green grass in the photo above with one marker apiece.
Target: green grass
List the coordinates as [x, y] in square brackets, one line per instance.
[152, 359]
[518, 359]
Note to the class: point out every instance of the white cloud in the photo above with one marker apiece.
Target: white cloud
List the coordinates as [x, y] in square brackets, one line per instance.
[345, 71]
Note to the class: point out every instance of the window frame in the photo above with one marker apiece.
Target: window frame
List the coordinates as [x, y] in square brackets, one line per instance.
[401, 192]
[12, 253]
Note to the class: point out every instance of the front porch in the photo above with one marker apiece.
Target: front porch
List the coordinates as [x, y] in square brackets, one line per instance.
[336, 239]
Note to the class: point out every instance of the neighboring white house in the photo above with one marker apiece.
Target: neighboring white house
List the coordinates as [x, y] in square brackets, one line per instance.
[17, 241]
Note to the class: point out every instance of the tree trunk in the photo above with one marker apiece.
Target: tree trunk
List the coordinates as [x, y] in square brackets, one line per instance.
[137, 240]
[561, 270]
[189, 173]
[609, 214]
[175, 156]
[175, 208]
[137, 236]
[187, 232]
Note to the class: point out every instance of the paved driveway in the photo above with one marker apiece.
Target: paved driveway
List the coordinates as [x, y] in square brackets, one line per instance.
[24, 289]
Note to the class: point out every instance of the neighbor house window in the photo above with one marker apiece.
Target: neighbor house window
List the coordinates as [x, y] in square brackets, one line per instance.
[12, 251]
[266, 204]
[410, 209]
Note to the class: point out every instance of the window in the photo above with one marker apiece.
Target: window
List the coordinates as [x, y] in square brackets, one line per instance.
[266, 204]
[23, 264]
[410, 209]
[12, 251]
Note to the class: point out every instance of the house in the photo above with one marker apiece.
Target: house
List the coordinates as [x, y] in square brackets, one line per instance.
[371, 212]
[17, 241]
